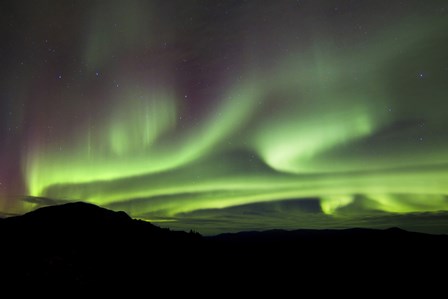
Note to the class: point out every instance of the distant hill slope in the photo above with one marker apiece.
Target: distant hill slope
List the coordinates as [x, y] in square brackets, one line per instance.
[81, 245]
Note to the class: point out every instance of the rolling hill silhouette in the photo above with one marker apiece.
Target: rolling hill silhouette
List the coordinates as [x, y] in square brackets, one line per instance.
[81, 245]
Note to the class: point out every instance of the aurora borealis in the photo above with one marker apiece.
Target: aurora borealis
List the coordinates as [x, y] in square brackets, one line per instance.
[228, 115]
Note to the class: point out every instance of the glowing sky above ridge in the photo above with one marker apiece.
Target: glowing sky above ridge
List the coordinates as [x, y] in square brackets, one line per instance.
[228, 115]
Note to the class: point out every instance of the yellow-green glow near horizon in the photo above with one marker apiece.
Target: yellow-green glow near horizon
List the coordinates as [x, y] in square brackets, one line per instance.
[290, 141]
[356, 120]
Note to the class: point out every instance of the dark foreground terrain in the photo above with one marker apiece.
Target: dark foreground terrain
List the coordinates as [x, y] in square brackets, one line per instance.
[79, 245]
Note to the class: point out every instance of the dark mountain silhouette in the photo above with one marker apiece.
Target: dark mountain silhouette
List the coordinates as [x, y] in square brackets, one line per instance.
[80, 245]
[83, 245]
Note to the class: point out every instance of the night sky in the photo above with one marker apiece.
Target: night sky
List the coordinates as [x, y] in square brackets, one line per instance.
[223, 116]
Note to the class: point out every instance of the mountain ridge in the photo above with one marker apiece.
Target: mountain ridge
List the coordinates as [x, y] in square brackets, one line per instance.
[81, 245]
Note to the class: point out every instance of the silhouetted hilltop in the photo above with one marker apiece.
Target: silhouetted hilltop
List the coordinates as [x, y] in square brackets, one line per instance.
[71, 215]
[84, 220]
[82, 245]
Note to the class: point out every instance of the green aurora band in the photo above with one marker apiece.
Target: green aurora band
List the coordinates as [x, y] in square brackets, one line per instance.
[339, 124]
